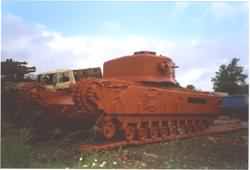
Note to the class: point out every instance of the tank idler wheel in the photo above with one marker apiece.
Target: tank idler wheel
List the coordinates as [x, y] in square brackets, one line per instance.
[109, 130]
[129, 133]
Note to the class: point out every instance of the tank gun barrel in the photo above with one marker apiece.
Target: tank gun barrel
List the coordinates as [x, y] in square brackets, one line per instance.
[25, 70]
[10, 61]
[20, 62]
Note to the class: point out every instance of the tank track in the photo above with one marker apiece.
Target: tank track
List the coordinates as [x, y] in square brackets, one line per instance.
[154, 127]
[214, 129]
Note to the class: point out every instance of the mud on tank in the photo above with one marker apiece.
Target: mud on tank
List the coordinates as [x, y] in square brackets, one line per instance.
[138, 99]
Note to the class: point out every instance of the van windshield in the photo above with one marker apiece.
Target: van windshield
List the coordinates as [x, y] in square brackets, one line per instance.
[64, 77]
[49, 79]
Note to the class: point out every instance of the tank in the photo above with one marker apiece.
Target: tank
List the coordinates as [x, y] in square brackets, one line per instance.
[15, 70]
[49, 99]
[138, 99]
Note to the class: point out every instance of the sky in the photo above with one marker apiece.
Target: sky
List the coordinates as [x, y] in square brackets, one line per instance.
[197, 36]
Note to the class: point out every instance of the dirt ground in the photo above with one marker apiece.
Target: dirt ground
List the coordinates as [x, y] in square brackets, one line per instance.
[227, 151]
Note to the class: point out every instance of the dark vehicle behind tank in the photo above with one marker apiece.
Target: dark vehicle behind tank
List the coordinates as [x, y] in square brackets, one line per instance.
[236, 106]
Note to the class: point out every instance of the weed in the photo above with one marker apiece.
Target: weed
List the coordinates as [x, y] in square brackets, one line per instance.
[15, 154]
[25, 135]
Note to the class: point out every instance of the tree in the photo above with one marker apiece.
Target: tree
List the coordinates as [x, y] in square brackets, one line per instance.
[178, 85]
[190, 86]
[230, 78]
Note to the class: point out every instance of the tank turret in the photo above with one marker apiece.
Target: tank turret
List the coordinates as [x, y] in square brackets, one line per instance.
[142, 66]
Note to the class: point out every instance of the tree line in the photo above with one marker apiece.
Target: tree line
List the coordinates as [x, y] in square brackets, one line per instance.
[229, 78]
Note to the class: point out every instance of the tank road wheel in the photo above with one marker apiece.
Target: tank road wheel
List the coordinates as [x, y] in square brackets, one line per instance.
[186, 126]
[142, 133]
[154, 130]
[189, 126]
[202, 124]
[164, 130]
[199, 125]
[174, 128]
[129, 133]
[194, 126]
[143, 130]
[181, 127]
[109, 130]
[206, 123]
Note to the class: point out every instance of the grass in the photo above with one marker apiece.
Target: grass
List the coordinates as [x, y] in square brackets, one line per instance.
[98, 160]
[221, 151]
[15, 153]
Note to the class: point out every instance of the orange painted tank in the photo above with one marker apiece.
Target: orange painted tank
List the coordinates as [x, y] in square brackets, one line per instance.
[46, 109]
[138, 99]
[142, 66]
[48, 101]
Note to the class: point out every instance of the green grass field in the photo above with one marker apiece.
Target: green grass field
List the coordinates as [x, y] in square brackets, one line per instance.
[222, 151]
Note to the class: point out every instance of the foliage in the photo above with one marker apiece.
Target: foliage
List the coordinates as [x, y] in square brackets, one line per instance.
[178, 85]
[102, 159]
[190, 86]
[230, 78]
[15, 153]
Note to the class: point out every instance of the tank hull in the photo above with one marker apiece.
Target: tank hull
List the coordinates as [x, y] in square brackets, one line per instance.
[124, 97]
[125, 105]
[45, 108]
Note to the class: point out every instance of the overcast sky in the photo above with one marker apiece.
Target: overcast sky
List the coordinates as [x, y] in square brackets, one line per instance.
[198, 36]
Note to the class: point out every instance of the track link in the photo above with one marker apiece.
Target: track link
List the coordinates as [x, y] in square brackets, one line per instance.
[214, 129]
